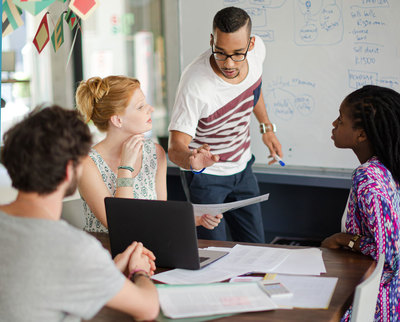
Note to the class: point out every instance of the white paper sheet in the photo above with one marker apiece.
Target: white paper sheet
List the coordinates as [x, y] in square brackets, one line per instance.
[306, 261]
[208, 274]
[211, 299]
[220, 249]
[253, 258]
[311, 292]
[243, 259]
[215, 209]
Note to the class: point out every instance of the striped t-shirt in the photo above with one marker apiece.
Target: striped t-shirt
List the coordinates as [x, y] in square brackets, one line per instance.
[218, 113]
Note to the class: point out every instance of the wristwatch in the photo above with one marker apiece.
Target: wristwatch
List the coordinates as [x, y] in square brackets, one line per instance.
[352, 242]
[267, 127]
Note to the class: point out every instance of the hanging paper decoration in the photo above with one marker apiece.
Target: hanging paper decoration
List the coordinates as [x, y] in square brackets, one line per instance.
[33, 6]
[71, 19]
[11, 17]
[83, 8]
[57, 38]
[42, 35]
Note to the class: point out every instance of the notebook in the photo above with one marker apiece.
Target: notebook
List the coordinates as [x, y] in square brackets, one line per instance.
[167, 228]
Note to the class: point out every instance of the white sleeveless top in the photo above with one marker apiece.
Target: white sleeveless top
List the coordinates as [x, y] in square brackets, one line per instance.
[144, 184]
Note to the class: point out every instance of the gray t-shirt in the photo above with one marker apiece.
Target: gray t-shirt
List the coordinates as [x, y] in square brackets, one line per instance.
[51, 271]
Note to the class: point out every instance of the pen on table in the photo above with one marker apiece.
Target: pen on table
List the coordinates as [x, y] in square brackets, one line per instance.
[277, 158]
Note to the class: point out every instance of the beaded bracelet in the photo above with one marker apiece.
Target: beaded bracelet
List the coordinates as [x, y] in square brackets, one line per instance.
[125, 167]
[196, 172]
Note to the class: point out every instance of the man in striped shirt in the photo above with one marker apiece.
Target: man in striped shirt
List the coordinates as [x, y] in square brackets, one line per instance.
[210, 125]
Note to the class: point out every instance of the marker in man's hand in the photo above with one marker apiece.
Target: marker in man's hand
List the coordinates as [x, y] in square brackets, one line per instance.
[277, 158]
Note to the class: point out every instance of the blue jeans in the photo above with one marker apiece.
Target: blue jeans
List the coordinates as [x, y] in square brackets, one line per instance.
[245, 223]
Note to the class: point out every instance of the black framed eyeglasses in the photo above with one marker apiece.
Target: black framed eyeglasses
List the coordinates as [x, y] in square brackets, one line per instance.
[235, 57]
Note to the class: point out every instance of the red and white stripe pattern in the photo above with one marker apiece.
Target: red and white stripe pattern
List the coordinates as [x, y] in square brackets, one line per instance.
[227, 131]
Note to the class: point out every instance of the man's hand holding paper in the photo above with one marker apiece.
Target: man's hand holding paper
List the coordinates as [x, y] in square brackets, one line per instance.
[208, 221]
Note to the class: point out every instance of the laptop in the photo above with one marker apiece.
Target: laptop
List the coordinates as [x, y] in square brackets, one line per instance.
[167, 228]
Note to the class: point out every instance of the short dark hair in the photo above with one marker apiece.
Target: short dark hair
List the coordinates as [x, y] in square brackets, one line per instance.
[231, 19]
[36, 150]
[376, 110]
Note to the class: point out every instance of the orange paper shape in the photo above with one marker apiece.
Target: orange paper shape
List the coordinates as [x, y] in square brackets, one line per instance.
[42, 36]
[83, 8]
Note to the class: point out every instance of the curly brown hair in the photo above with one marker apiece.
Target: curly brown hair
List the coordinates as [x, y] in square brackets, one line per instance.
[37, 150]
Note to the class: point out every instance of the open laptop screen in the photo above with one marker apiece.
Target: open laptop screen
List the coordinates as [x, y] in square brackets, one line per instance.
[167, 228]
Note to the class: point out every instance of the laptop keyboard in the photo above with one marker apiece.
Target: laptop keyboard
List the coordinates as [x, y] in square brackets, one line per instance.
[202, 259]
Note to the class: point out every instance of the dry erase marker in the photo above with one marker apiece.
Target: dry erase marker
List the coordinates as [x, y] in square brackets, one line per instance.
[277, 158]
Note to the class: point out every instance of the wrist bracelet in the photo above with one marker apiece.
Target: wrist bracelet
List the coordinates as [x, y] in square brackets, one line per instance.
[135, 271]
[125, 167]
[196, 172]
[267, 127]
[138, 272]
[124, 182]
[353, 240]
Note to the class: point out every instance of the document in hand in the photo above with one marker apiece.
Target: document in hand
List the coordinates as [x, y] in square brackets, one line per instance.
[215, 209]
[184, 301]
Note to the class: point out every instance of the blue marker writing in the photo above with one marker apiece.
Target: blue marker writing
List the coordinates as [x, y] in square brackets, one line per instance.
[277, 158]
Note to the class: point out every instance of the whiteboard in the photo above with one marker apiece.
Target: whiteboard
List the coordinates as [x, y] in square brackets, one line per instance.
[318, 51]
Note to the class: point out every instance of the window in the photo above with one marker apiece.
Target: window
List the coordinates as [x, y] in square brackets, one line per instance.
[15, 86]
[125, 37]
[34, 78]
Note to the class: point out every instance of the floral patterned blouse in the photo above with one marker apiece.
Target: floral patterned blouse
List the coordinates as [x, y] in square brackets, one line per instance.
[144, 184]
[373, 212]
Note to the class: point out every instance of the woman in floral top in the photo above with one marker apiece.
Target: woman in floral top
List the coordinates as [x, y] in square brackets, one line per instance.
[369, 124]
[124, 164]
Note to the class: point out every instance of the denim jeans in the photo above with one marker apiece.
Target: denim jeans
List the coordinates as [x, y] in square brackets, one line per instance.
[245, 224]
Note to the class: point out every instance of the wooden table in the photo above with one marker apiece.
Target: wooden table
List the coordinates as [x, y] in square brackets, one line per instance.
[350, 268]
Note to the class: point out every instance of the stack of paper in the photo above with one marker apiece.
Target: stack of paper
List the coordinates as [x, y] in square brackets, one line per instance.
[243, 259]
[208, 274]
[253, 258]
[186, 301]
[202, 300]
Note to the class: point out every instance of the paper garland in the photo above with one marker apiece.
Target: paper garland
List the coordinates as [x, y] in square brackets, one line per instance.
[11, 17]
[34, 7]
[71, 19]
[42, 35]
[57, 38]
[83, 8]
